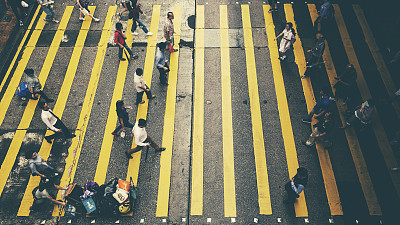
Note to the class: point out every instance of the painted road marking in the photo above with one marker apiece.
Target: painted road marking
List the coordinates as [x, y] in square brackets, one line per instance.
[59, 107]
[286, 126]
[264, 198]
[196, 203]
[16, 142]
[169, 119]
[74, 150]
[354, 145]
[227, 129]
[332, 192]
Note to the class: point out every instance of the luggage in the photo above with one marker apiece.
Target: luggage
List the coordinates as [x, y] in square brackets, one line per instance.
[73, 197]
[22, 89]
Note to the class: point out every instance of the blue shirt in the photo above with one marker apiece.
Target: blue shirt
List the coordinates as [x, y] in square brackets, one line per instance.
[322, 103]
[319, 49]
[324, 12]
[160, 58]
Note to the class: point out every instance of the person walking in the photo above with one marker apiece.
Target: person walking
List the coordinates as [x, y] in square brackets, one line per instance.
[41, 195]
[346, 83]
[136, 22]
[326, 14]
[320, 108]
[47, 6]
[296, 185]
[288, 35]
[362, 115]
[53, 123]
[320, 131]
[119, 39]
[39, 166]
[141, 87]
[169, 31]
[18, 8]
[123, 118]
[34, 86]
[274, 6]
[142, 139]
[161, 62]
[128, 6]
[83, 8]
[316, 56]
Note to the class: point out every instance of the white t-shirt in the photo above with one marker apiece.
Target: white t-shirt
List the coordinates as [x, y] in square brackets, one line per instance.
[41, 194]
[140, 134]
[49, 120]
[288, 35]
[139, 82]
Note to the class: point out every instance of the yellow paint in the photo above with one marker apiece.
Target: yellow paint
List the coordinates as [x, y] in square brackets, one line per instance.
[286, 126]
[352, 140]
[196, 203]
[45, 149]
[30, 108]
[332, 192]
[169, 119]
[74, 150]
[264, 199]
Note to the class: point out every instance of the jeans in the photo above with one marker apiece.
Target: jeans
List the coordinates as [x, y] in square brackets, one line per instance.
[163, 75]
[49, 11]
[139, 95]
[60, 125]
[126, 124]
[120, 52]
[141, 25]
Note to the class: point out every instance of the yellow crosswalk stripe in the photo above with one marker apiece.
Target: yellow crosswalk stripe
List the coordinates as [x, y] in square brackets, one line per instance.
[19, 71]
[45, 149]
[11, 66]
[354, 145]
[196, 203]
[30, 108]
[169, 119]
[227, 130]
[390, 160]
[264, 199]
[286, 126]
[106, 146]
[74, 150]
[332, 192]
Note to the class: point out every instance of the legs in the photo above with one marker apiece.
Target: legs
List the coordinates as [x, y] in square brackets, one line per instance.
[139, 96]
[139, 148]
[141, 25]
[60, 125]
[291, 194]
[311, 139]
[50, 13]
[120, 52]
[163, 76]
[129, 51]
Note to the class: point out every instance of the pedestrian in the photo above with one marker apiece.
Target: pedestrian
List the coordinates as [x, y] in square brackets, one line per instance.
[19, 9]
[123, 118]
[274, 6]
[53, 123]
[326, 14]
[169, 31]
[320, 132]
[83, 8]
[161, 62]
[47, 6]
[136, 22]
[362, 115]
[39, 166]
[346, 83]
[41, 195]
[128, 6]
[119, 39]
[141, 87]
[296, 185]
[320, 108]
[316, 56]
[142, 139]
[288, 36]
[34, 86]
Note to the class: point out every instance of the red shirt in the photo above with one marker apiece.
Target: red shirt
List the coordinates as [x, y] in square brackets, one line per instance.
[119, 37]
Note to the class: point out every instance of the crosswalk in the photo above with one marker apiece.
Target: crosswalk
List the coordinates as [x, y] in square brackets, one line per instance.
[223, 83]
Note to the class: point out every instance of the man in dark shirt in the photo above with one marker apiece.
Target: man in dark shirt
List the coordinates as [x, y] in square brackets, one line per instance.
[320, 131]
[316, 57]
[320, 108]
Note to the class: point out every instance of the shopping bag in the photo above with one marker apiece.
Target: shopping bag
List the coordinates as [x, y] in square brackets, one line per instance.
[89, 204]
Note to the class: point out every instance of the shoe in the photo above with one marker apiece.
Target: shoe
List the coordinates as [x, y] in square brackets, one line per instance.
[142, 102]
[82, 19]
[175, 50]
[45, 21]
[305, 144]
[304, 76]
[21, 23]
[48, 140]
[271, 10]
[55, 21]
[49, 100]
[161, 149]
[135, 33]
[128, 155]
[134, 57]
[332, 99]
[122, 59]
[153, 96]
[283, 57]
[306, 121]
[115, 134]
[96, 19]
[149, 33]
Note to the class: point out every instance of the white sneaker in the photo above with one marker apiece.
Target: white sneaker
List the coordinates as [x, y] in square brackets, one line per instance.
[149, 33]
[135, 33]
[96, 19]
[82, 19]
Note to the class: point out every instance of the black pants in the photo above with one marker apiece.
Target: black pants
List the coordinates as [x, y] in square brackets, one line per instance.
[14, 7]
[139, 95]
[41, 93]
[163, 75]
[291, 194]
[65, 131]
[311, 70]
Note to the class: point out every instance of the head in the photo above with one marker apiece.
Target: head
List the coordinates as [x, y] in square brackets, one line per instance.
[170, 15]
[118, 26]
[119, 105]
[31, 154]
[29, 72]
[139, 72]
[302, 172]
[43, 106]
[321, 37]
[162, 46]
[289, 26]
[142, 123]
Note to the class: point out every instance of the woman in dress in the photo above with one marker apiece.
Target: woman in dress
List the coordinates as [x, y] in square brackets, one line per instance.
[288, 36]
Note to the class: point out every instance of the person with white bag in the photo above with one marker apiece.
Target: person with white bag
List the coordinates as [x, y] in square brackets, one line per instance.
[83, 7]
[15, 5]
[47, 6]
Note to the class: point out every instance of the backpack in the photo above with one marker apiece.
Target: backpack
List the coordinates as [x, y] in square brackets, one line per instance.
[22, 89]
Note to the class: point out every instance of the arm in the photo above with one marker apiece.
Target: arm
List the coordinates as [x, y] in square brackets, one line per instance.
[122, 123]
[297, 190]
[320, 114]
[55, 201]
[278, 36]
[79, 4]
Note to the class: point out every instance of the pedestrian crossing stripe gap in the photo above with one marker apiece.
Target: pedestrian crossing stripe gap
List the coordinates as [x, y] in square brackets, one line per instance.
[332, 192]
[227, 129]
[196, 201]
[112, 118]
[169, 119]
[74, 151]
[387, 152]
[59, 107]
[16, 142]
[17, 53]
[354, 145]
[286, 126]
[264, 198]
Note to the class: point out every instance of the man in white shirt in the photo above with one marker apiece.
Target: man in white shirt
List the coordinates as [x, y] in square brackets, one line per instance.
[53, 123]
[142, 139]
[141, 87]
